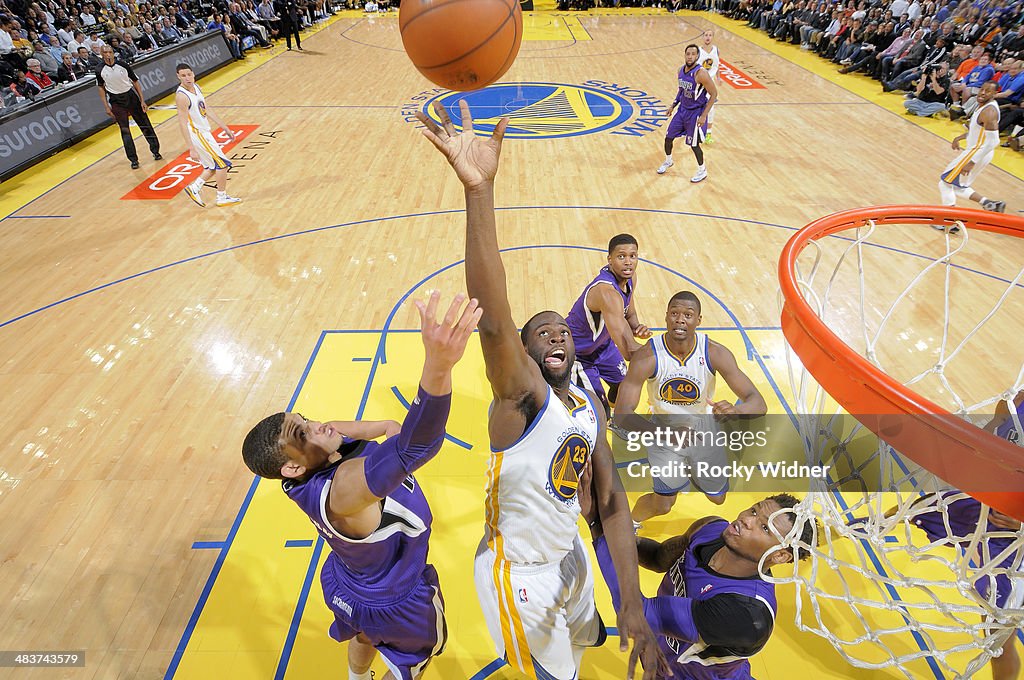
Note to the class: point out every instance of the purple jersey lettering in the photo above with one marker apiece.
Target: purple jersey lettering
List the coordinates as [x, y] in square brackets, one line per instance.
[691, 96]
[1009, 431]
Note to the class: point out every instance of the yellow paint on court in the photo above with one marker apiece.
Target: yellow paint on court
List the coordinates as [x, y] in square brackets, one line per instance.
[260, 590]
[553, 27]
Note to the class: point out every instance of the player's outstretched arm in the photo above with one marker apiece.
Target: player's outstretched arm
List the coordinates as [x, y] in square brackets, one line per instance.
[606, 300]
[751, 401]
[475, 161]
[221, 124]
[632, 624]
[666, 615]
[361, 482]
[660, 557]
[638, 329]
[617, 525]
[641, 367]
[366, 429]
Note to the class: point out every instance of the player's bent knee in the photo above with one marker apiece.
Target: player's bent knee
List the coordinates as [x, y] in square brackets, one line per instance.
[664, 502]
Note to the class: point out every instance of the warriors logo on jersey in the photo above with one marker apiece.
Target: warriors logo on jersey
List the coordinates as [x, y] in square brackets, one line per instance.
[709, 59]
[202, 108]
[682, 391]
[681, 384]
[566, 465]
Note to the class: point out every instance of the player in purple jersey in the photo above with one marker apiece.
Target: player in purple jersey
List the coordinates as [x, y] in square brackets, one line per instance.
[367, 507]
[963, 514]
[697, 94]
[524, 369]
[1004, 425]
[603, 322]
[713, 610]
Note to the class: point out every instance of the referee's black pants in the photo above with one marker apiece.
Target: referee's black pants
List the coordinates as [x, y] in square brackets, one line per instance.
[128, 104]
[291, 26]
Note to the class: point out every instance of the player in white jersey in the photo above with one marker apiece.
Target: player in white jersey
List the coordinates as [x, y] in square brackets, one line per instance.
[194, 118]
[982, 139]
[710, 60]
[533, 577]
[680, 369]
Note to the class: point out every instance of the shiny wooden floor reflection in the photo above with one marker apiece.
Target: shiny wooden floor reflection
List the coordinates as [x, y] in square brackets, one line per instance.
[141, 339]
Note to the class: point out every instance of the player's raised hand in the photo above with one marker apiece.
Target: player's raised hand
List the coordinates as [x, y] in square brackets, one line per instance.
[445, 341]
[642, 332]
[633, 627]
[475, 159]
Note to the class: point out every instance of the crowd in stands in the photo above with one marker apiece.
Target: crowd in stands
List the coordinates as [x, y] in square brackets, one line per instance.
[937, 53]
[49, 42]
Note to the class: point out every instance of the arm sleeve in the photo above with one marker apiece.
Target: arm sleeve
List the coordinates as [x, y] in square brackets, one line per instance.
[991, 141]
[671, 616]
[604, 561]
[739, 623]
[387, 466]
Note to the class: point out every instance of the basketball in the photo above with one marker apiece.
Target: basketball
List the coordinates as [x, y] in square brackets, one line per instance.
[461, 44]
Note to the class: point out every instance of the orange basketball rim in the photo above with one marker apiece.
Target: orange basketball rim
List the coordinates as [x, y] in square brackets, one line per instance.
[958, 452]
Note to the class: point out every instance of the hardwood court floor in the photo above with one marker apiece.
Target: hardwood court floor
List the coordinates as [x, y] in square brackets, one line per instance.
[142, 338]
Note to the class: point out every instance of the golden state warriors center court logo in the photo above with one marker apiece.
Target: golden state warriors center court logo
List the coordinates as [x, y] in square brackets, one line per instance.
[550, 110]
[680, 391]
[567, 463]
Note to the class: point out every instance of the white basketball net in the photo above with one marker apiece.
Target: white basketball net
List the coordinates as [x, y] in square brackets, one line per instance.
[874, 587]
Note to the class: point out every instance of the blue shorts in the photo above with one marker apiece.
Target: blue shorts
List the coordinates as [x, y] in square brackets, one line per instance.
[407, 633]
[684, 124]
[604, 362]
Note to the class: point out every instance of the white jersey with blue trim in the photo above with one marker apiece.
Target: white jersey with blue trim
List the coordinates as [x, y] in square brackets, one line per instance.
[531, 486]
[681, 385]
[197, 120]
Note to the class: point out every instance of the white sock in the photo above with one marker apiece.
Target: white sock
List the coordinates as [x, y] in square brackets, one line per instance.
[222, 194]
[668, 158]
[352, 675]
[701, 168]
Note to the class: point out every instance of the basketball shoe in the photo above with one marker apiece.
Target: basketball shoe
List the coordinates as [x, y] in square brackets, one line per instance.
[192, 191]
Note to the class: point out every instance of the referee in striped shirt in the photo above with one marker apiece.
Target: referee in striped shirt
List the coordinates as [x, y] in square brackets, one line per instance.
[119, 84]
